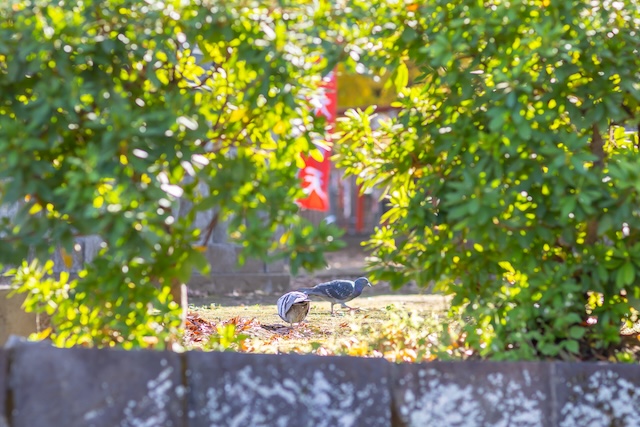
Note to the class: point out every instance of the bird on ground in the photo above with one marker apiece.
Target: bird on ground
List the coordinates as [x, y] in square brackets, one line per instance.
[293, 307]
[338, 291]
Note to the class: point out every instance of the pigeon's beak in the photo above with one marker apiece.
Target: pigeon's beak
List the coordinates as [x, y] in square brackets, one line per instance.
[369, 284]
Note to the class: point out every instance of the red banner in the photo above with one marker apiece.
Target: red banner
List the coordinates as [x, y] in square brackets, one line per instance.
[315, 174]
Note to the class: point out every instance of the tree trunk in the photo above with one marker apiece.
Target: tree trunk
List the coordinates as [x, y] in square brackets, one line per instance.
[179, 295]
[597, 148]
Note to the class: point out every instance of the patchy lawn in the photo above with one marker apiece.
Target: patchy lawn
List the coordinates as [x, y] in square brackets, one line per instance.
[397, 325]
[389, 325]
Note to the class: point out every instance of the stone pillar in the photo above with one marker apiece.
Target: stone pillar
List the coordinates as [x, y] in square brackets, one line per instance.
[13, 319]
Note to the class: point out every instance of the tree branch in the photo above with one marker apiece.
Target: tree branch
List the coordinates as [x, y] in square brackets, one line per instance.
[210, 227]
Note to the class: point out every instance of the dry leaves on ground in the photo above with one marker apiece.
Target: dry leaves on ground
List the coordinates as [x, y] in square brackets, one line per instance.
[198, 329]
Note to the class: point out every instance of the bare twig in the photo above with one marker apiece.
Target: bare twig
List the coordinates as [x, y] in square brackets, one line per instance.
[210, 227]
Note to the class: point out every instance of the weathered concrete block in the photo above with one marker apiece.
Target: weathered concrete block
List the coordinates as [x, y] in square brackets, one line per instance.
[10, 211]
[277, 266]
[76, 259]
[219, 234]
[91, 246]
[226, 276]
[472, 394]
[99, 388]
[224, 259]
[3, 388]
[246, 282]
[287, 390]
[13, 319]
[85, 250]
[597, 394]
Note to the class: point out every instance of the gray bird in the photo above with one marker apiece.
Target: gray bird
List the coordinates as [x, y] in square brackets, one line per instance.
[293, 307]
[338, 291]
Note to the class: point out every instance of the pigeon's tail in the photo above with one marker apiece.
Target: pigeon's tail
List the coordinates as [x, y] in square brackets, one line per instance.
[309, 291]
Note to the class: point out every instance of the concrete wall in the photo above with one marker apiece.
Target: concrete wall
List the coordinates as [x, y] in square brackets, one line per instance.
[226, 276]
[13, 319]
[45, 386]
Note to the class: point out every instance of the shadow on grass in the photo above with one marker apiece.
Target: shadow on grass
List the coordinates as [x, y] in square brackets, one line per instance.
[260, 298]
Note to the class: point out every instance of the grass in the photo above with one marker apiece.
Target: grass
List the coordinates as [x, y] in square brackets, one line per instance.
[389, 326]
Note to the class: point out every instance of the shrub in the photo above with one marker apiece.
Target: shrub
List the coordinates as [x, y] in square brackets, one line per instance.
[115, 115]
[511, 181]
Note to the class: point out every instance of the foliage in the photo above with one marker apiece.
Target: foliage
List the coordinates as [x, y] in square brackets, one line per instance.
[405, 336]
[510, 179]
[123, 120]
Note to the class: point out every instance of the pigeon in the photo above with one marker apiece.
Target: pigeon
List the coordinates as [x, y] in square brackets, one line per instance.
[293, 307]
[338, 291]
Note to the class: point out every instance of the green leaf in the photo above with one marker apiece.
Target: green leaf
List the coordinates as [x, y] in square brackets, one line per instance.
[524, 131]
[549, 349]
[458, 212]
[474, 206]
[496, 123]
[572, 346]
[604, 224]
[567, 206]
[577, 332]
[200, 262]
[401, 77]
[625, 275]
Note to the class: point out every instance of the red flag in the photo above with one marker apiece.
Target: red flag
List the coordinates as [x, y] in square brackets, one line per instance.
[315, 175]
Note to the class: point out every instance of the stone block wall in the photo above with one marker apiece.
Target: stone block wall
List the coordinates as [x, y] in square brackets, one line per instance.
[41, 385]
[226, 276]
